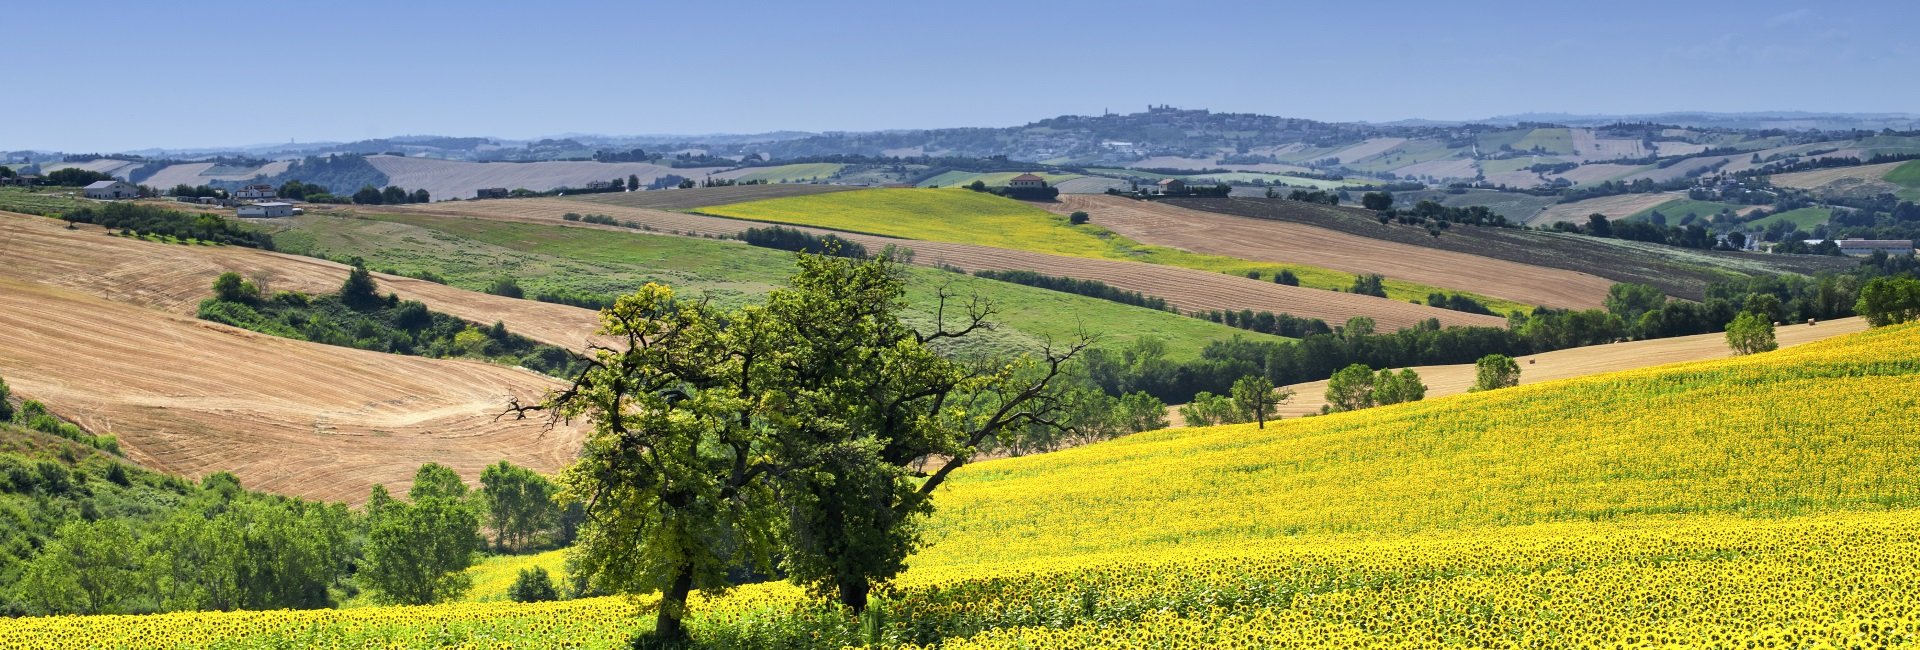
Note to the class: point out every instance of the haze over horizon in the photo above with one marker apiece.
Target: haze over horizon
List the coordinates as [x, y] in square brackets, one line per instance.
[355, 70]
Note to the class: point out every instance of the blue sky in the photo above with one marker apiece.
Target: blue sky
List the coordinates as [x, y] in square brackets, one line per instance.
[130, 75]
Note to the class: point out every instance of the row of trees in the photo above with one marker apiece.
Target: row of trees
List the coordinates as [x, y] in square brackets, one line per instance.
[137, 219]
[392, 195]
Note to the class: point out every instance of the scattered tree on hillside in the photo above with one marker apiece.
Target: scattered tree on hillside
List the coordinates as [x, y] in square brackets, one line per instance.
[1377, 201]
[359, 290]
[1495, 371]
[1369, 284]
[633, 182]
[417, 553]
[533, 586]
[1255, 396]
[1598, 226]
[1394, 388]
[1207, 409]
[1750, 333]
[506, 286]
[1628, 300]
[518, 503]
[785, 428]
[1357, 387]
[1889, 301]
[1078, 217]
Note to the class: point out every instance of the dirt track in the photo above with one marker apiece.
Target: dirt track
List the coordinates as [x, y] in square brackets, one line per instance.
[1577, 362]
[1277, 241]
[1188, 289]
[176, 278]
[289, 417]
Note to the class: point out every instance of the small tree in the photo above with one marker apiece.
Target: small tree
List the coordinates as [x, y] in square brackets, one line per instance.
[418, 553]
[1286, 277]
[506, 286]
[633, 182]
[1495, 371]
[359, 289]
[230, 287]
[1598, 226]
[6, 405]
[1750, 333]
[1369, 285]
[1207, 409]
[1255, 396]
[1351, 388]
[533, 586]
[1628, 300]
[1078, 217]
[1139, 411]
[1396, 388]
[1377, 201]
[1889, 301]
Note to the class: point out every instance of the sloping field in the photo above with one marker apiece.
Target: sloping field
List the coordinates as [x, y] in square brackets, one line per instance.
[176, 278]
[198, 174]
[992, 179]
[1678, 506]
[1680, 272]
[1189, 289]
[1442, 169]
[1516, 207]
[796, 173]
[1090, 185]
[1617, 206]
[1596, 172]
[700, 197]
[1828, 179]
[109, 166]
[288, 417]
[1589, 146]
[1272, 241]
[449, 179]
[1590, 360]
[1367, 149]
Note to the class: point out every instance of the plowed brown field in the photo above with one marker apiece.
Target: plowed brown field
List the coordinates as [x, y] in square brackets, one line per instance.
[1278, 241]
[1578, 362]
[176, 278]
[1189, 289]
[289, 417]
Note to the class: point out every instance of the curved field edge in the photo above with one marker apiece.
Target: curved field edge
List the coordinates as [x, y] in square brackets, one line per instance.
[967, 217]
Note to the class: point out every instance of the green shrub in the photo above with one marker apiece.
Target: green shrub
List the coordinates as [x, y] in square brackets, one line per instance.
[533, 586]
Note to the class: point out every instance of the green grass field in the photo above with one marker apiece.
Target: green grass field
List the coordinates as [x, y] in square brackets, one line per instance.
[795, 173]
[1557, 140]
[967, 217]
[41, 200]
[1492, 141]
[956, 179]
[1907, 176]
[1411, 153]
[1805, 218]
[1514, 164]
[1678, 209]
[471, 253]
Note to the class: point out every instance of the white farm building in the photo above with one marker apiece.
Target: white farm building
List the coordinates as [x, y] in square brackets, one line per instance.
[109, 190]
[266, 210]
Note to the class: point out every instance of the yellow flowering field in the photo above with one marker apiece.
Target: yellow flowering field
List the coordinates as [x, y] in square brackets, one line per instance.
[1757, 502]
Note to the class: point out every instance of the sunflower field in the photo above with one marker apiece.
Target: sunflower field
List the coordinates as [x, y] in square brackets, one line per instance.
[1765, 501]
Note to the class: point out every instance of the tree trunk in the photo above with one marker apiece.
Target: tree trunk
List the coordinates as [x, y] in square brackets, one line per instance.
[667, 627]
[853, 592]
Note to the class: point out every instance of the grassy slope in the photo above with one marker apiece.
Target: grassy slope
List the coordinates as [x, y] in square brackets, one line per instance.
[1805, 218]
[1907, 176]
[470, 253]
[962, 216]
[1553, 141]
[1677, 209]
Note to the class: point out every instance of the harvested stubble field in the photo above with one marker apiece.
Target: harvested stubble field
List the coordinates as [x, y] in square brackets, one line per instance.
[450, 179]
[1841, 179]
[1615, 207]
[1277, 241]
[289, 417]
[1679, 272]
[700, 197]
[175, 278]
[1579, 362]
[1189, 289]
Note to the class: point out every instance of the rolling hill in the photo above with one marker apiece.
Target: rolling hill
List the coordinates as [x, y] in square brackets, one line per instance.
[447, 179]
[1161, 224]
[1652, 507]
[1189, 289]
[1679, 272]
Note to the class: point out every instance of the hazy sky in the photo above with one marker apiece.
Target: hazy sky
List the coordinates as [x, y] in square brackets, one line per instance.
[128, 75]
